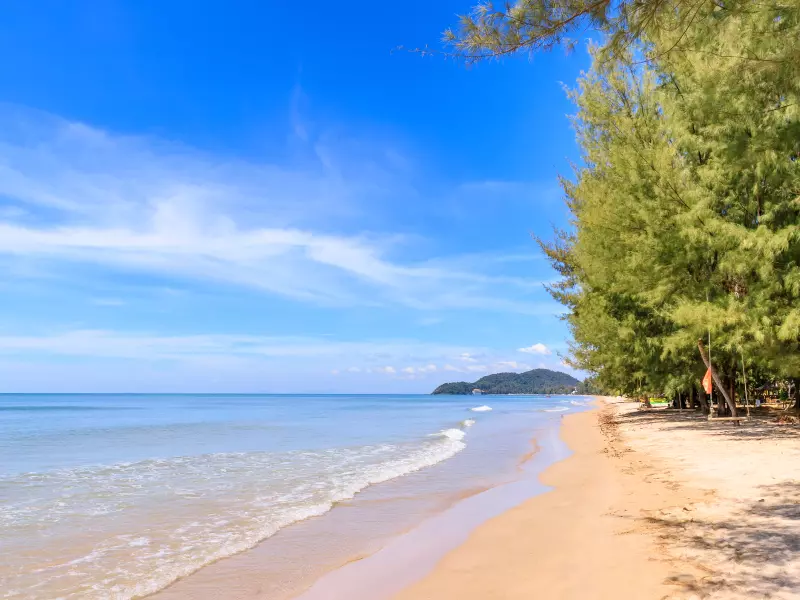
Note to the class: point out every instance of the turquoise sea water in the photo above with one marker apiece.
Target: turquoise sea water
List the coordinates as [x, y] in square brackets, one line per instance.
[117, 496]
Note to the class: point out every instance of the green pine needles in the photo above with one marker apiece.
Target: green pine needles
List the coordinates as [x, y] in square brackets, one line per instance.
[686, 207]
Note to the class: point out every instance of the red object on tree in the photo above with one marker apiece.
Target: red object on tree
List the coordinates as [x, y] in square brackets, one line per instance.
[707, 382]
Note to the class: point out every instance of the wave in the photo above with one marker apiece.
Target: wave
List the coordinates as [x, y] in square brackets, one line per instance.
[559, 409]
[453, 434]
[468, 422]
[209, 507]
[483, 408]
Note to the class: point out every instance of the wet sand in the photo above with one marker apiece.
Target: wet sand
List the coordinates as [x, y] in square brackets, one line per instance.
[366, 528]
[410, 557]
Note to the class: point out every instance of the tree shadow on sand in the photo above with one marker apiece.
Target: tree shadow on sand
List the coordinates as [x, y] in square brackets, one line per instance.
[762, 425]
[743, 549]
[753, 549]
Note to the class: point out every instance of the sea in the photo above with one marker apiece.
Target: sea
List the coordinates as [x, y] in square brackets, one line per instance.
[114, 497]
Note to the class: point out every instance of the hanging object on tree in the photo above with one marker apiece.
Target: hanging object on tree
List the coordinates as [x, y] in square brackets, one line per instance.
[707, 385]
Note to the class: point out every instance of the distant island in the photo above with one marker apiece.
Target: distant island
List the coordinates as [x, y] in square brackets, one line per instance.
[537, 381]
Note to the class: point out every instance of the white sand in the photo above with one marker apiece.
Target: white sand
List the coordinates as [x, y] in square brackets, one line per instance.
[743, 535]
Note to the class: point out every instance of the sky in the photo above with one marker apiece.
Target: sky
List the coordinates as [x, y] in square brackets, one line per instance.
[272, 197]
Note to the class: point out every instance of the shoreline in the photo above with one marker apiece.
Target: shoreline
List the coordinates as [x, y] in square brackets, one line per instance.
[566, 544]
[614, 503]
[407, 558]
[292, 561]
[651, 505]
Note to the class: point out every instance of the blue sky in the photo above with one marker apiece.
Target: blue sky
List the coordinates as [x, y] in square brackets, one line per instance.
[265, 197]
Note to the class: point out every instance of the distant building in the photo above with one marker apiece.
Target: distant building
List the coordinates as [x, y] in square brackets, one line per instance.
[476, 392]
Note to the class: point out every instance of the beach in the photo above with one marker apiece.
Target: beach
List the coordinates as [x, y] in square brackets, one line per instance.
[564, 498]
[652, 504]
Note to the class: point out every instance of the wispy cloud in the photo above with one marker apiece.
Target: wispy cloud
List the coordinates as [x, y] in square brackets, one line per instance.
[81, 360]
[111, 344]
[423, 370]
[76, 196]
[404, 358]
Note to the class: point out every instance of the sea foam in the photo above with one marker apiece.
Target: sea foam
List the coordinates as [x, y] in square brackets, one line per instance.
[264, 492]
[453, 434]
[483, 408]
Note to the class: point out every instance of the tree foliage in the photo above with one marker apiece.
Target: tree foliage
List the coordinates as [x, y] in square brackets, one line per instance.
[492, 30]
[686, 204]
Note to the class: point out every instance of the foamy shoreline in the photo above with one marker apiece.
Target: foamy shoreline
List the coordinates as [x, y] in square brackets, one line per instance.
[356, 530]
[411, 556]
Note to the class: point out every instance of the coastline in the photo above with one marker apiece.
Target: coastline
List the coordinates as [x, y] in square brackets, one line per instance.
[652, 504]
[615, 503]
[496, 470]
[410, 557]
[577, 541]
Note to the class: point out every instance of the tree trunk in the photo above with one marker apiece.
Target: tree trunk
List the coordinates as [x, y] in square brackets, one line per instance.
[701, 396]
[717, 380]
[722, 408]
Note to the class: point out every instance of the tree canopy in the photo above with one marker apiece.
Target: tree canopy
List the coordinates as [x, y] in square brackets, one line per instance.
[493, 30]
[686, 203]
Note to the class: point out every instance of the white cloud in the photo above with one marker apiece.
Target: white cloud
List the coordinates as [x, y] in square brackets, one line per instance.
[72, 195]
[423, 370]
[536, 349]
[240, 359]
[467, 357]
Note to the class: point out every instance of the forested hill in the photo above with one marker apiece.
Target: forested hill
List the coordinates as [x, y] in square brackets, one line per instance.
[537, 381]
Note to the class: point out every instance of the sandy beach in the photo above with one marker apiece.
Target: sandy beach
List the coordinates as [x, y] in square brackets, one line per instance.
[652, 504]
